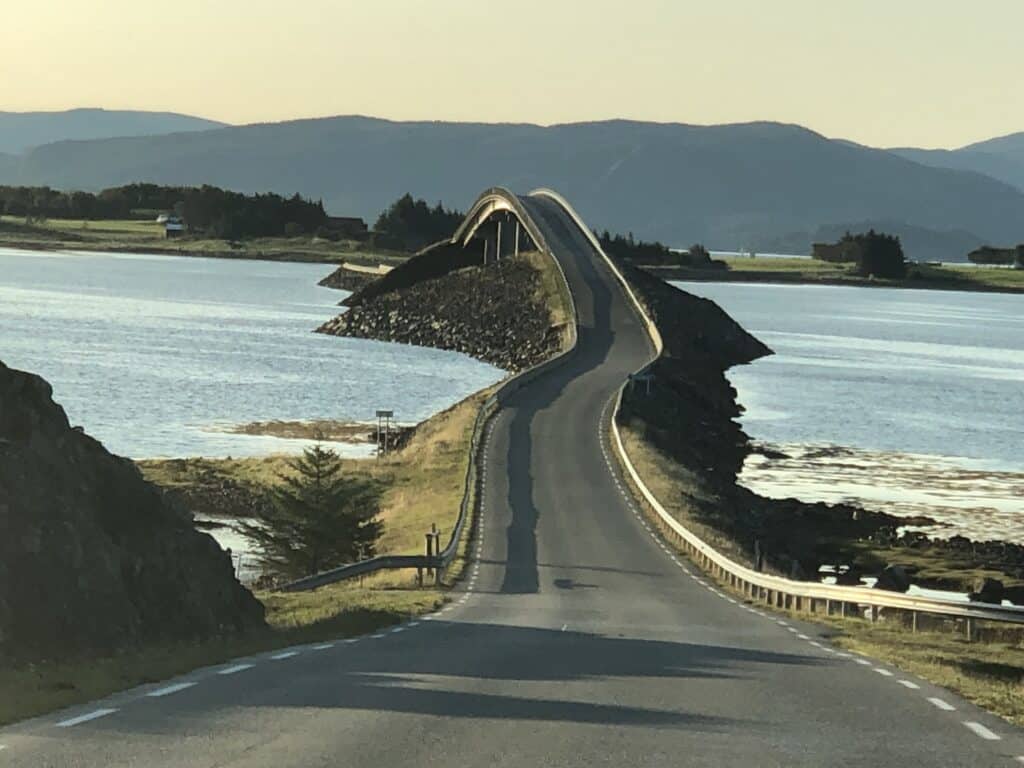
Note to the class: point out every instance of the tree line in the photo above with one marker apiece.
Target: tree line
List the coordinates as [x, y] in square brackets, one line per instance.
[410, 225]
[654, 252]
[212, 211]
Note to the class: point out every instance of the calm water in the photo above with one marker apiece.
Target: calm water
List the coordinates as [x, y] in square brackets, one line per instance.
[152, 353]
[904, 400]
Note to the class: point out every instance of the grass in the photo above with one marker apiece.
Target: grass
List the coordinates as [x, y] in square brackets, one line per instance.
[553, 291]
[989, 672]
[130, 236]
[955, 277]
[423, 484]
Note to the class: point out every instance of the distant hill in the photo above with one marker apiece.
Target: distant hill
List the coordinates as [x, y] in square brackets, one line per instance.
[1001, 158]
[727, 186]
[8, 166]
[20, 131]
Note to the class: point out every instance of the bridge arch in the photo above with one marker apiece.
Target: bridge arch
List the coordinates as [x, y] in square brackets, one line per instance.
[500, 221]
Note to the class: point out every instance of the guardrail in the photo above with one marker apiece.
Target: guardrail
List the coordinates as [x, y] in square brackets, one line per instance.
[774, 590]
[443, 559]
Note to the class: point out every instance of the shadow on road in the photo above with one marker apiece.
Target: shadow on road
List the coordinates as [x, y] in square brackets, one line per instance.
[458, 678]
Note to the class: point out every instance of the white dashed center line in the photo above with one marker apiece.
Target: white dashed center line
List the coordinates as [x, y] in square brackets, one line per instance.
[981, 731]
[168, 690]
[945, 706]
[284, 655]
[96, 713]
[908, 684]
[884, 672]
[234, 669]
[323, 646]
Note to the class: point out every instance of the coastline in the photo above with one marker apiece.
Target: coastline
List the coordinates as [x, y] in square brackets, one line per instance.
[242, 254]
[779, 277]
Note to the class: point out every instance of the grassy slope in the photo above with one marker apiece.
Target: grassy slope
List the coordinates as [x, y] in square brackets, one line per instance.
[991, 673]
[147, 236]
[967, 278]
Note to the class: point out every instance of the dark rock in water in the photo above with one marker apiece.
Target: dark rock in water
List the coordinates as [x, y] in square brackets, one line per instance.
[348, 279]
[893, 579]
[92, 557]
[987, 590]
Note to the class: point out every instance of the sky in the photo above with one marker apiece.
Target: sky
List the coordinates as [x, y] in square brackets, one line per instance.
[927, 73]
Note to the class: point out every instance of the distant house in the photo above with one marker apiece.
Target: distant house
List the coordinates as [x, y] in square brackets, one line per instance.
[173, 227]
[347, 226]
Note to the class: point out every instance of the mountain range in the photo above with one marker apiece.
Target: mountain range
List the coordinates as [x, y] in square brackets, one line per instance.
[753, 185]
[21, 131]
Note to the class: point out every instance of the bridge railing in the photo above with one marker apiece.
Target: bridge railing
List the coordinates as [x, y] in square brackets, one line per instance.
[773, 590]
[469, 503]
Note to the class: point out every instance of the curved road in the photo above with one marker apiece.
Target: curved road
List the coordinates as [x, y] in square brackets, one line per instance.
[579, 641]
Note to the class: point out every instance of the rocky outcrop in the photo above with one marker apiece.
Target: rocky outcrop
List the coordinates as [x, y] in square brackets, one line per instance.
[92, 557]
[492, 313]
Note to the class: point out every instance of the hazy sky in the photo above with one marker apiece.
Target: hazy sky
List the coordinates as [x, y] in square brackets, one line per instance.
[935, 73]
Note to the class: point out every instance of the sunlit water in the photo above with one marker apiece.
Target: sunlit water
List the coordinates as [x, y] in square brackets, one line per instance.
[907, 401]
[150, 354]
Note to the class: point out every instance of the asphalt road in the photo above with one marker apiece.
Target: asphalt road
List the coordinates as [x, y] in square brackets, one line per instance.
[579, 639]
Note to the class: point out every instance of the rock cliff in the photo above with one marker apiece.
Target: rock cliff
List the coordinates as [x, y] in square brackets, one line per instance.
[92, 557]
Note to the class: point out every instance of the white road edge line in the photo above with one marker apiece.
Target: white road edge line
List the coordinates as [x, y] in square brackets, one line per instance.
[96, 713]
[169, 689]
[982, 731]
[884, 672]
[234, 669]
[945, 706]
[910, 684]
[284, 655]
[323, 646]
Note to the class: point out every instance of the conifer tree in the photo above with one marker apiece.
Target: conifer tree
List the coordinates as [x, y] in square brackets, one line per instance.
[318, 520]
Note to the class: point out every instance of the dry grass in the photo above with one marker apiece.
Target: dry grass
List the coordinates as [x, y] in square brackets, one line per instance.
[422, 483]
[677, 488]
[553, 291]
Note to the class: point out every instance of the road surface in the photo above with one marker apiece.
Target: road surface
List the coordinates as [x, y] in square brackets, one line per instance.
[578, 639]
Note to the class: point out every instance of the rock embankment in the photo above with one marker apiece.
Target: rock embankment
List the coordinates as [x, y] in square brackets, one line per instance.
[495, 313]
[92, 557]
[690, 415]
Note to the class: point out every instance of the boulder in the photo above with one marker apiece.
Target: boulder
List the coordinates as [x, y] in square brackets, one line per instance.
[987, 590]
[893, 579]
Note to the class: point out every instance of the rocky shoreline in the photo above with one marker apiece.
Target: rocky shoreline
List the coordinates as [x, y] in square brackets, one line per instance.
[495, 314]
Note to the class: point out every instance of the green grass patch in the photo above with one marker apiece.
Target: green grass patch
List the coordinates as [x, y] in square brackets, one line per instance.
[134, 236]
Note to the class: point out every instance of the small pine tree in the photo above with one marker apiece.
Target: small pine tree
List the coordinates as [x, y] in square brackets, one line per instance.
[318, 520]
